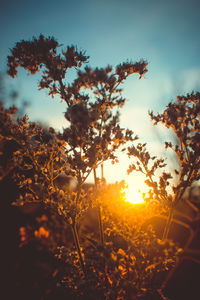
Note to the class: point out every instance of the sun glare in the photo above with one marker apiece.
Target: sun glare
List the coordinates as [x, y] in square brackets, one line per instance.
[134, 192]
[134, 195]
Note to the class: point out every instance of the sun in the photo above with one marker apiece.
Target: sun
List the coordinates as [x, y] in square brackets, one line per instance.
[134, 193]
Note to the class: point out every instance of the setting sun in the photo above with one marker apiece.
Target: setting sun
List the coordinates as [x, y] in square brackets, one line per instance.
[133, 195]
[135, 190]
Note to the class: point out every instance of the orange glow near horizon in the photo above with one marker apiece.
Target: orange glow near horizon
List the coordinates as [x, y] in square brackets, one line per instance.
[134, 193]
[133, 196]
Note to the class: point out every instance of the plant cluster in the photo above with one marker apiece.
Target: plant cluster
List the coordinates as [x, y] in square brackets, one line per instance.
[183, 117]
[120, 260]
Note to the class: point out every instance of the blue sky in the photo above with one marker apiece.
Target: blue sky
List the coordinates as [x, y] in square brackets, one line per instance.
[165, 33]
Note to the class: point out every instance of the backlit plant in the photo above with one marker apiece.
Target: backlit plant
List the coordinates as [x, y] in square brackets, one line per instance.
[125, 259]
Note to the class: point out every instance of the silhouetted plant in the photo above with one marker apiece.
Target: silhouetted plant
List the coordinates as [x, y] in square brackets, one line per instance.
[183, 117]
[94, 133]
[126, 261]
[93, 112]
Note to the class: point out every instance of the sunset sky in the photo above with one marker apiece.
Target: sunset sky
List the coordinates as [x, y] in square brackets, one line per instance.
[165, 33]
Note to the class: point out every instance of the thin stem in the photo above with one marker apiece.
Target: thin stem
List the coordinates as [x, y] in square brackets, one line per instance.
[100, 225]
[77, 244]
[167, 226]
[99, 211]
[52, 172]
[50, 169]
[95, 180]
[102, 175]
[78, 191]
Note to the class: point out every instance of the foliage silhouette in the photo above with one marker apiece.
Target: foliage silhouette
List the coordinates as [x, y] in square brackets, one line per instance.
[182, 117]
[126, 261]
